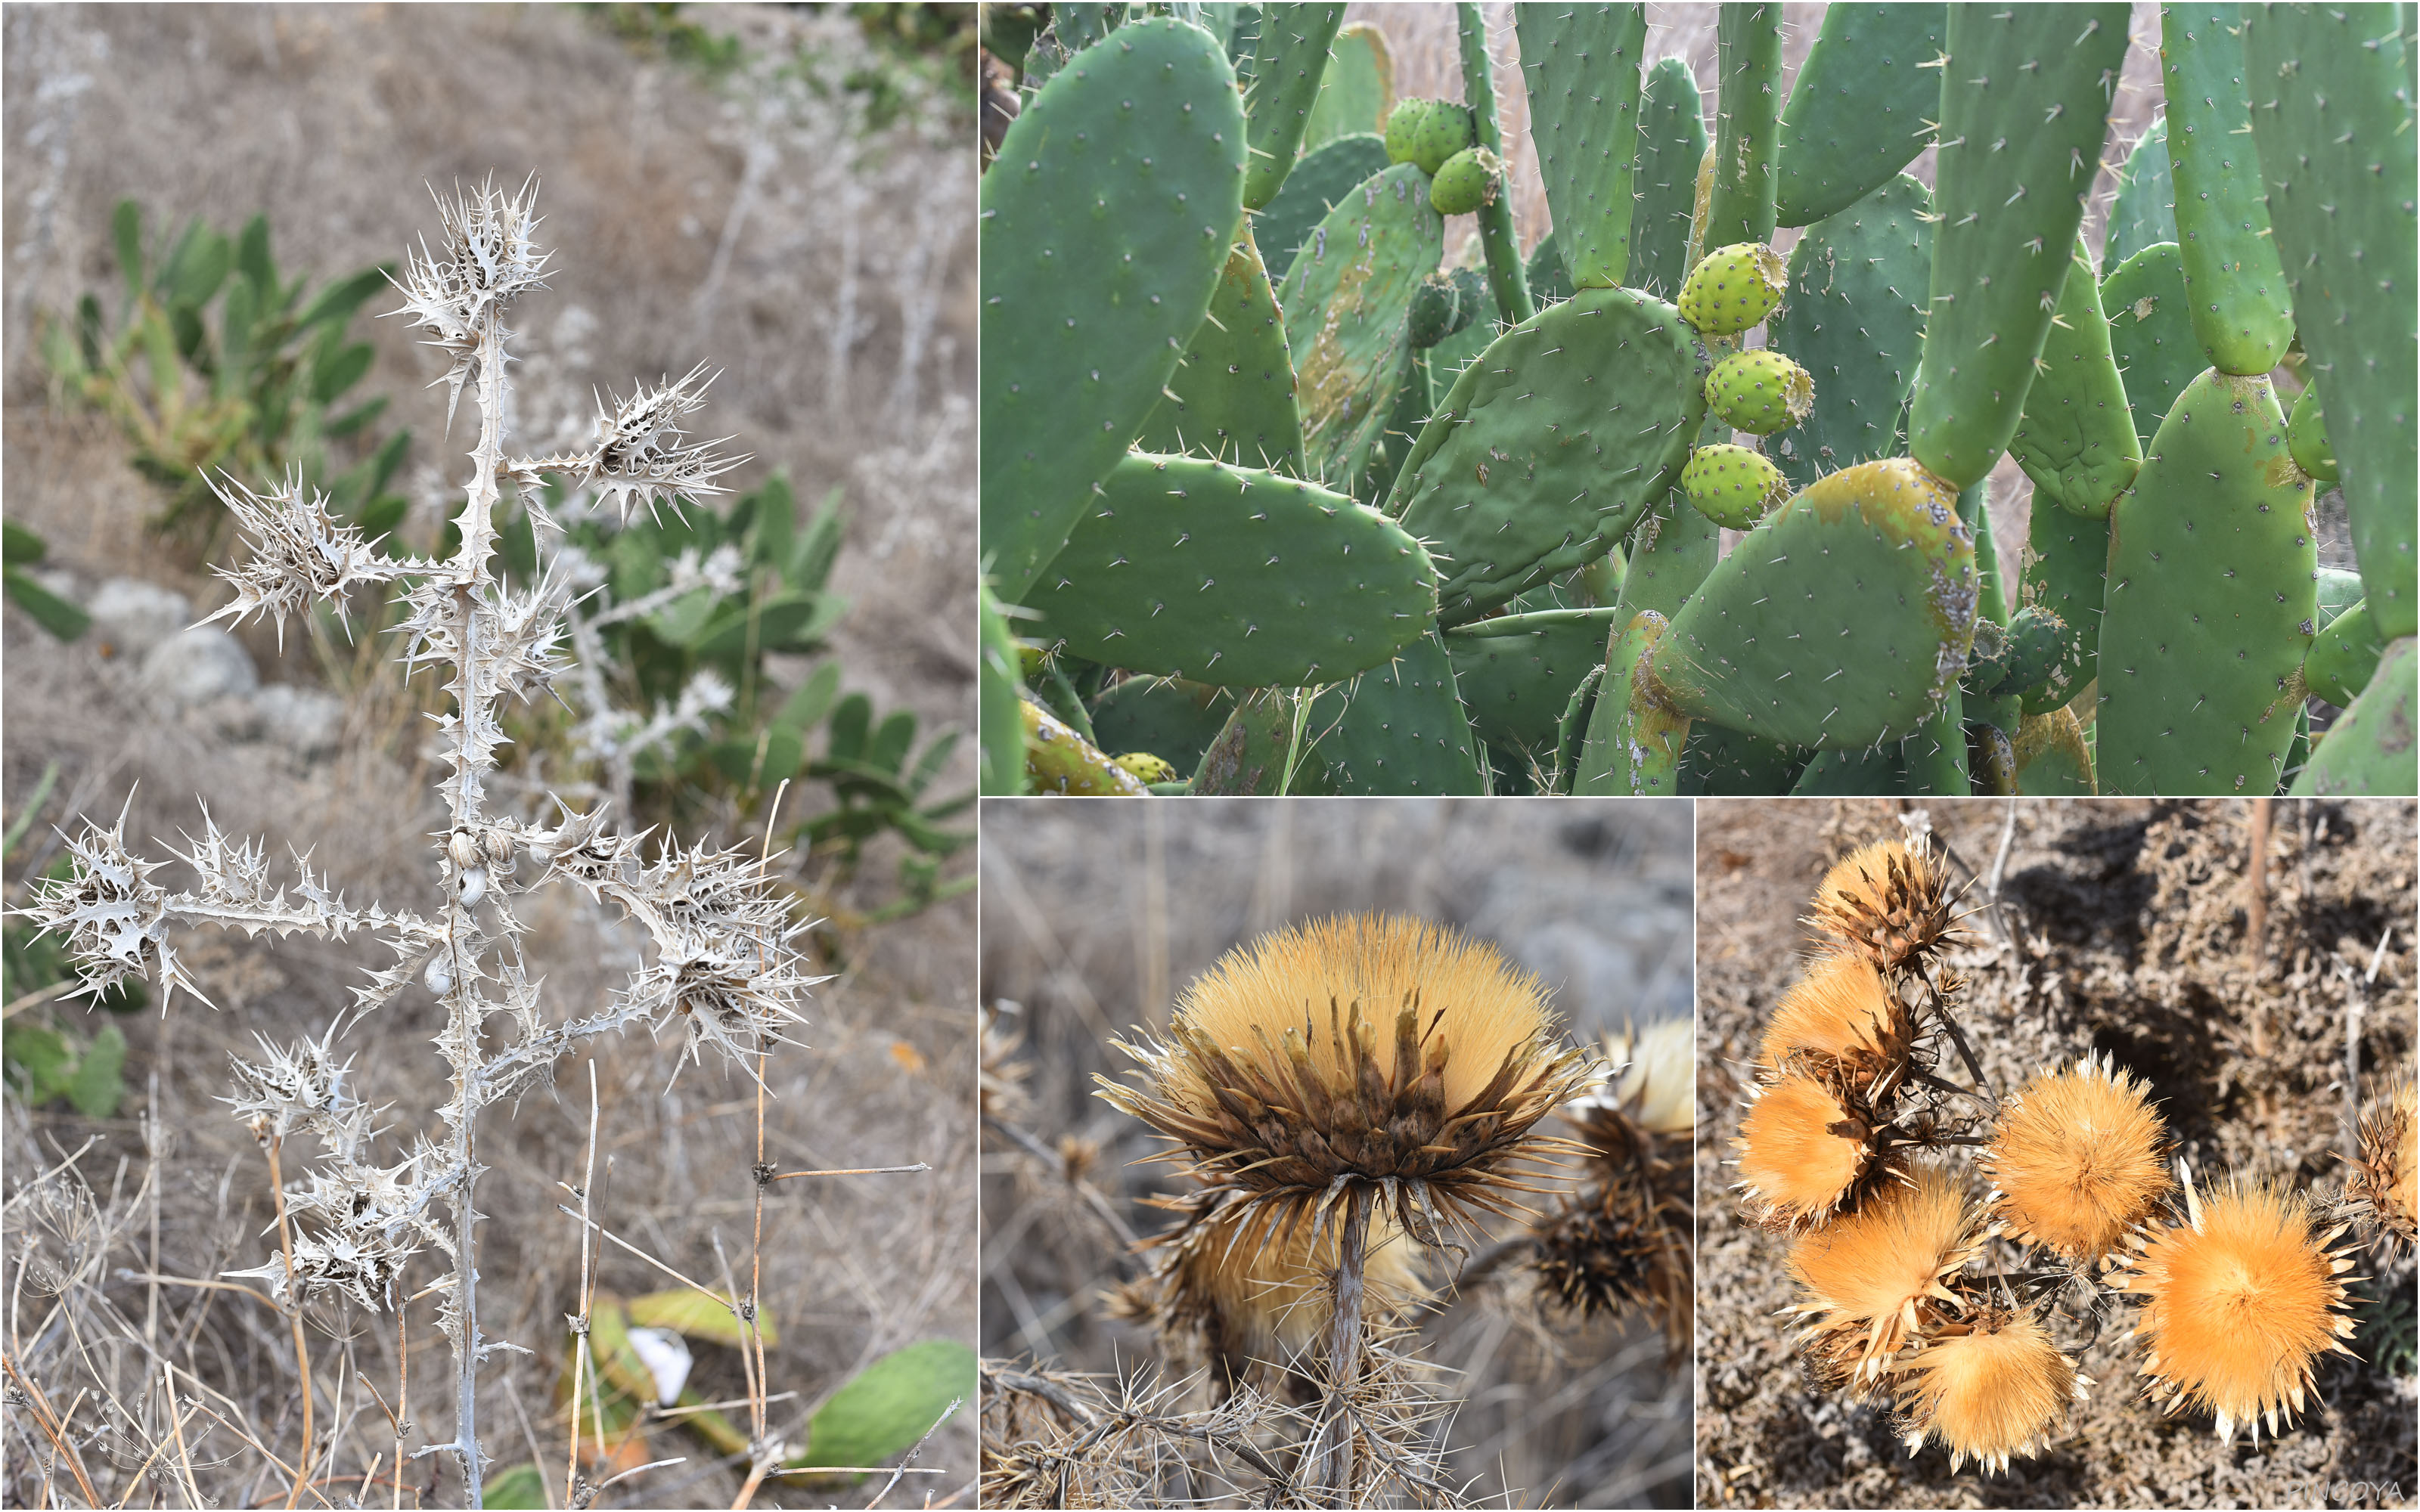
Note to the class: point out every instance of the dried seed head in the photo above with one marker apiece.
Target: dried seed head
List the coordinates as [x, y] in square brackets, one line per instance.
[1806, 1149]
[1991, 1391]
[1871, 1280]
[2079, 1159]
[1000, 1074]
[485, 260]
[1846, 1014]
[643, 455]
[1385, 1049]
[113, 916]
[2238, 1303]
[1889, 902]
[301, 555]
[2383, 1180]
[1626, 1236]
[1655, 1075]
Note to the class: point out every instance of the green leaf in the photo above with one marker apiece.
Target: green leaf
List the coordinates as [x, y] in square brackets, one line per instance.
[97, 1088]
[783, 620]
[776, 521]
[253, 260]
[928, 765]
[52, 614]
[334, 376]
[196, 269]
[380, 517]
[237, 317]
[353, 420]
[695, 1316]
[805, 709]
[18, 544]
[519, 1486]
[685, 620]
[893, 741]
[126, 228]
[849, 727]
[337, 301]
[812, 557]
[40, 1061]
[763, 761]
[891, 1405]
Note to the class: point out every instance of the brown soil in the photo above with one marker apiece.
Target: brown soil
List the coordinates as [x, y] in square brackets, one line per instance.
[2128, 923]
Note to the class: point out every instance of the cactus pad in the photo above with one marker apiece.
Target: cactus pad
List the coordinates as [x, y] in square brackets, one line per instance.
[2343, 657]
[1855, 317]
[2369, 750]
[1517, 672]
[1733, 486]
[1581, 63]
[1733, 287]
[1860, 109]
[1760, 391]
[2075, 439]
[1231, 395]
[1402, 729]
[2306, 437]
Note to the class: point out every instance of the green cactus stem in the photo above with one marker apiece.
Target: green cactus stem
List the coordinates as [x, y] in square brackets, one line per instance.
[2236, 290]
[1505, 272]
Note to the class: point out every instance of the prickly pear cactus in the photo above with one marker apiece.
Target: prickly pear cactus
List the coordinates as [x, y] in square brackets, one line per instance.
[1733, 485]
[1760, 391]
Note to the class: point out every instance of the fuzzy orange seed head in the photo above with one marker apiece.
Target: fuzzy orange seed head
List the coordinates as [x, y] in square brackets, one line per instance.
[1869, 1279]
[1844, 1012]
[2079, 1158]
[1803, 1149]
[2238, 1303]
[1991, 1391]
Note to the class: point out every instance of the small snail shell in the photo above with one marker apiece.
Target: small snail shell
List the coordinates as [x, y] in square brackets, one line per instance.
[464, 848]
[474, 885]
[439, 977]
[500, 847]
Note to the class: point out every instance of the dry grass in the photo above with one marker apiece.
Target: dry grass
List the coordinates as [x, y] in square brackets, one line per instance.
[323, 118]
[1096, 914]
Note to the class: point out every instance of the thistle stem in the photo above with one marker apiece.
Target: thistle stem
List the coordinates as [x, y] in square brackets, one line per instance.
[1333, 1477]
[294, 1296]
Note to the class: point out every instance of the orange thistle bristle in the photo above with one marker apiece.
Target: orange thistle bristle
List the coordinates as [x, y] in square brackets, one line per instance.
[1991, 1391]
[1804, 1151]
[1387, 1050]
[1889, 902]
[1870, 1279]
[2382, 1179]
[2079, 1159]
[2238, 1303]
[1845, 1012]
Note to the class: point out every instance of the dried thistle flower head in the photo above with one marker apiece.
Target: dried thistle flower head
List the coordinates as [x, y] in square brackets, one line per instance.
[1806, 1149]
[1251, 1286]
[1846, 1014]
[1990, 1390]
[1869, 1280]
[1626, 1237]
[2238, 1303]
[1386, 1049]
[484, 258]
[1655, 1075]
[1889, 902]
[2079, 1158]
[2383, 1180]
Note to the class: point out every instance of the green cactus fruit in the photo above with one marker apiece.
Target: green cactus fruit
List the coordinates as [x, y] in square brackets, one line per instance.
[1747, 123]
[2150, 334]
[1759, 393]
[2034, 651]
[1860, 109]
[2052, 760]
[1347, 302]
[1266, 750]
[1855, 317]
[2143, 212]
[1106, 217]
[1517, 672]
[2025, 105]
[2210, 601]
[2343, 657]
[1581, 64]
[1465, 182]
[1168, 715]
[1403, 125]
[1231, 395]
[2063, 583]
[1722, 762]
[2075, 439]
[1318, 182]
[1446, 303]
[1059, 763]
[2241, 309]
[1672, 144]
[1400, 730]
[1144, 767]
[1233, 577]
[1633, 741]
[2306, 437]
[1439, 134]
[1841, 621]
[1287, 67]
[2332, 117]
[1672, 550]
[1733, 486]
[998, 692]
[2368, 751]
[1733, 287]
[1548, 448]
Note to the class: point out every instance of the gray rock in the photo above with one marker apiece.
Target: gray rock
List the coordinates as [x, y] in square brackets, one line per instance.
[197, 665]
[305, 720]
[131, 616]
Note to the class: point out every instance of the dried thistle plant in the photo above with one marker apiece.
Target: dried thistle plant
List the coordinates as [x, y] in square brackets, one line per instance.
[721, 970]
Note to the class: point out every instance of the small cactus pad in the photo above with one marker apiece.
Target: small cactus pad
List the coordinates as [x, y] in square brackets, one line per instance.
[1855, 317]
[2064, 575]
[1550, 446]
[1233, 577]
[2052, 759]
[2075, 439]
[2306, 437]
[1347, 302]
[1059, 763]
[1105, 225]
[1672, 144]
[1672, 550]
[1581, 64]
[2024, 109]
[1144, 767]
[1231, 395]
[1733, 486]
[1740, 202]
[2210, 603]
[1403, 126]
[1465, 182]
[2143, 212]
[1250, 756]
[1166, 716]
[1841, 621]
[1759, 393]
[1860, 109]
[1733, 287]
[1442, 133]
[2368, 749]
[2343, 657]
[1322, 178]
[2150, 335]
